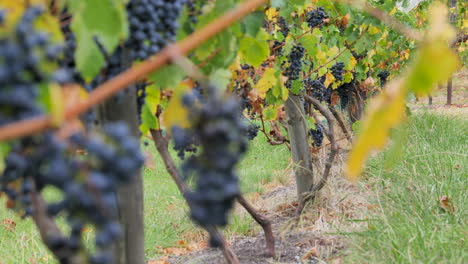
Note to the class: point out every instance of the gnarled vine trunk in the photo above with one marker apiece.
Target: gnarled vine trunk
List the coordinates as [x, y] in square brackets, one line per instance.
[302, 159]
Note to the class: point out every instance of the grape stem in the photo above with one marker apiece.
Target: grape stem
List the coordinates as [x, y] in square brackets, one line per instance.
[132, 75]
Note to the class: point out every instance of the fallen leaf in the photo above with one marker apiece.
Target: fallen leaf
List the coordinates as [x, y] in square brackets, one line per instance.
[9, 224]
[446, 204]
[313, 252]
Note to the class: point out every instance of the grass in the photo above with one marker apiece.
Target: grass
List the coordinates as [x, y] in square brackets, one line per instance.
[412, 225]
[166, 220]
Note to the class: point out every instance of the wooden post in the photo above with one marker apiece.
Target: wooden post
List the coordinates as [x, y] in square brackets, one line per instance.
[130, 248]
[297, 130]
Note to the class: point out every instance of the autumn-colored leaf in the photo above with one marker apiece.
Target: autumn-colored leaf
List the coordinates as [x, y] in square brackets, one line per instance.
[313, 252]
[9, 224]
[176, 114]
[266, 82]
[446, 204]
[329, 78]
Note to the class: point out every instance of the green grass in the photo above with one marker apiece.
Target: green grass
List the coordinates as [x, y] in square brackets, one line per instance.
[166, 219]
[411, 227]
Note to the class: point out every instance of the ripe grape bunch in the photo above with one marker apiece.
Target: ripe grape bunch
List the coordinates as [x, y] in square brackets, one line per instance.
[153, 24]
[87, 184]
[317, 135]
[318, 89]
[251, 131]
[295, 64]
[315, 17]
[383, 76]
[338, 70]
[283, 25]
[216, 124]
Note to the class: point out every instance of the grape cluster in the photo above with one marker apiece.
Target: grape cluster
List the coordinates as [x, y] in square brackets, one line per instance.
[87, 183]
[295, 64]
[153, 24]
[315, 17]
[184, 141]
[317, 135]
[283, 25]
[277, 48]
[251, 131]
[344, 91]
[383, 76]
[216, 124]
[338, 70]
[21, 55]
[318, 89]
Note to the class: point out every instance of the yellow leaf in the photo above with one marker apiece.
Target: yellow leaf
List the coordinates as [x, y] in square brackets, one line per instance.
[373, 30]
[57, 104]
[384, 112]
[176, 114]
[352, 62]
[271, 13]
[333, 51]
[266, 82]
[321, 55]
[329, 78]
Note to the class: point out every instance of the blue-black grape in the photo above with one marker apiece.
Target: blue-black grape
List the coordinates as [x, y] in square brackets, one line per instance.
[283, 25]
[217, 125]
[338, 70]
[87, 183]
[317, 135]
[318, 89]
[315, 17]
[383, 76]
[295, 64]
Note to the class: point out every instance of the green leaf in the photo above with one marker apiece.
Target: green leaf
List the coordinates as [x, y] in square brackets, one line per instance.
[253, 51]
[104, 19]
[253, 23]
[296, 86]
[270, 113]
[167, 77]
[277, 3]
[148, 118]
[221, 78]
[4, 149]
[309, 42]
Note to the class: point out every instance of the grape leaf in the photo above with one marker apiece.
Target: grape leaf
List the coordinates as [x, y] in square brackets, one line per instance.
[104, 19]
[253, 22]
[253, 51]
[266, 82]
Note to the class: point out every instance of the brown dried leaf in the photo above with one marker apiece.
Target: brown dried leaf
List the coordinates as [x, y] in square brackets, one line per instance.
[313, 252]
[9, 224]
[446, 204]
